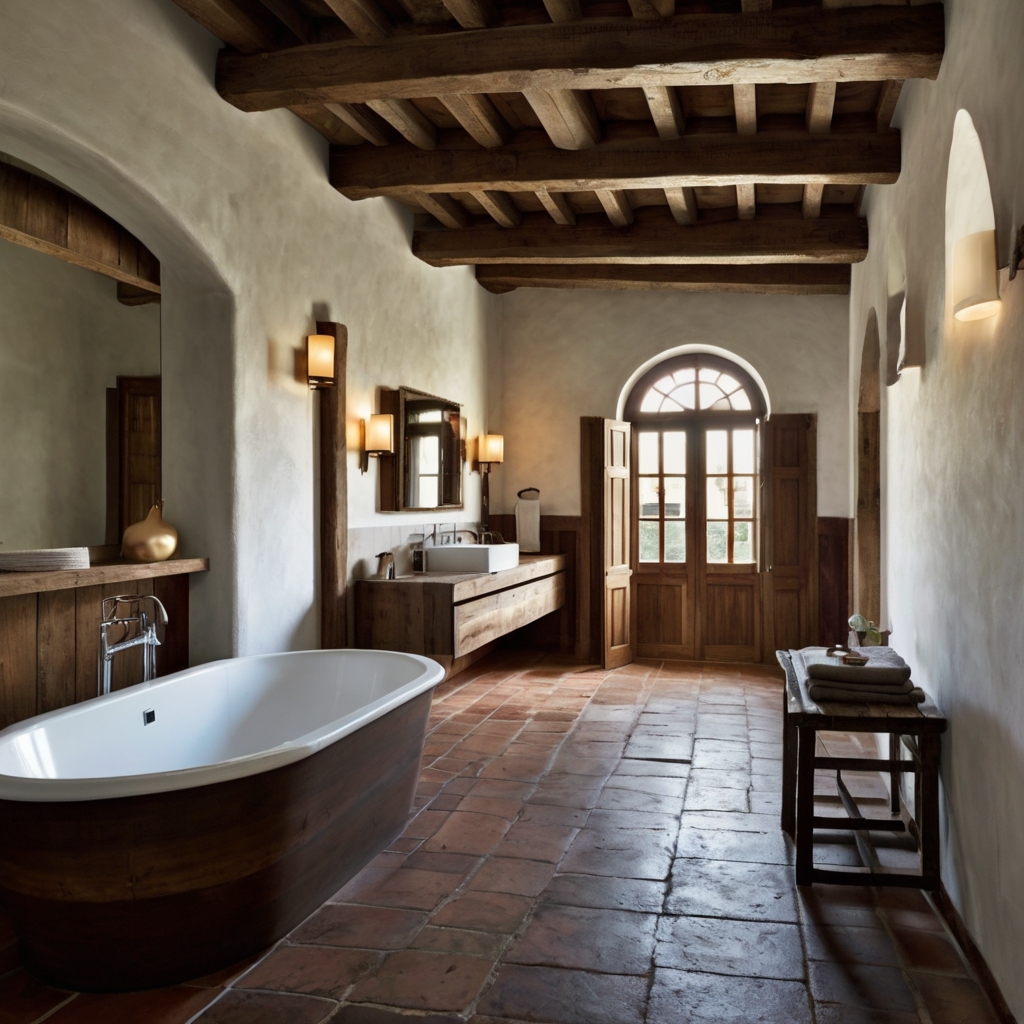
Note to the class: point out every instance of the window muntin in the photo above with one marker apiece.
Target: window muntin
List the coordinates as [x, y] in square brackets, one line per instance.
[661, 499]
[731, 502]
[693, 389]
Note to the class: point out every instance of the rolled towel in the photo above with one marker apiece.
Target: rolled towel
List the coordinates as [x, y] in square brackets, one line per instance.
[884, 666]
[528, 520]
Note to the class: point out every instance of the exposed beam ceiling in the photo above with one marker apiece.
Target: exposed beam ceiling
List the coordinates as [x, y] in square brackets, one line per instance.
[653, 237]
[793, 45]
[693, 160]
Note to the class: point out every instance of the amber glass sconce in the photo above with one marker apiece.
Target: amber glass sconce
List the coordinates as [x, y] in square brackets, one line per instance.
[378, 437]
[490, 451]
[320, 361]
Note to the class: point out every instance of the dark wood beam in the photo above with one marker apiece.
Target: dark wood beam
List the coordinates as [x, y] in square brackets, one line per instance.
[726, 159]
[764, 279]
[247, 29]
[804, 44]
[653, 237]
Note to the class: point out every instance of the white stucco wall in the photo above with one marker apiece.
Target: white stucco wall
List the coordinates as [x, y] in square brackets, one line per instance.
[252, 239]
[64, 338]
[953, 493]
[567, 354]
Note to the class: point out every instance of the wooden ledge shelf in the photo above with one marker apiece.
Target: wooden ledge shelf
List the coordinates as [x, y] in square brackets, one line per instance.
[14, 583]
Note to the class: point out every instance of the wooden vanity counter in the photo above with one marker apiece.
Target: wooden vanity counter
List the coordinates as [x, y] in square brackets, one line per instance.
[452, 617]
[49, 631]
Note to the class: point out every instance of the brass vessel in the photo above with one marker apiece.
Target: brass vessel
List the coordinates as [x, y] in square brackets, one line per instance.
[151, 540]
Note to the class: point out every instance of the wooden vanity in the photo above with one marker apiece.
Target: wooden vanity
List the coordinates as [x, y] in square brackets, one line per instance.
[49, 631]
[455, 618]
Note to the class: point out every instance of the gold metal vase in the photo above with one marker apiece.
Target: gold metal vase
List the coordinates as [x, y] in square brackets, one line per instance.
[151, 540]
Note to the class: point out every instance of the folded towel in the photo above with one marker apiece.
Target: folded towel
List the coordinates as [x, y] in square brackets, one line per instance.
[884, 666]
[528, 523]
[859, 695]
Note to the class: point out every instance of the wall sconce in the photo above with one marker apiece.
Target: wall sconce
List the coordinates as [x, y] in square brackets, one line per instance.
[320, 360]
[975, 277]
[378, 437]
[490, 450]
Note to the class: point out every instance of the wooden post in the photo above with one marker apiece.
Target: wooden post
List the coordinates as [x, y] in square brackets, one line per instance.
[807, 738]
[333, 497]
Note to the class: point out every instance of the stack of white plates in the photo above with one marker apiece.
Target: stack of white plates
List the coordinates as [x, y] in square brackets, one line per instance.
[44, 560]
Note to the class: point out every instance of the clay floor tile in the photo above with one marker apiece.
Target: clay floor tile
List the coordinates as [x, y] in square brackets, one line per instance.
[515, 769]
[404, 845]
[768, 768]
[554, 814]
[640, 895]
[460, 786]
[723, 727]
[580, 791]
[445, 801]
[600, 818]
[839, 905]
[460, 940]
[702, 797]
[722, 844]
[477, 745]
[766, 803]
[175, 1005]
[616, 799]
[751, 892]
[716, 946]
[951, 1000]
[236, 1007]
[460, 864]
[575, 764]
[622, 853]
[549, 994]
[866, 986]
[355, 1014]
[500, 789]
[226, 975]
[849, 944]
[685, 997]
[721, 778]
[658, 785]
[311, 970]
[468, 832]
[928, 950]
[656, 748]
[509, 809]
[426, 823]
[720, 754]
[514, 876]
[835, 1013]
[454, 765]
[531, 840]
[424, 980]
[588, 939]
[342, 924]
[484, 911]
[408, 887]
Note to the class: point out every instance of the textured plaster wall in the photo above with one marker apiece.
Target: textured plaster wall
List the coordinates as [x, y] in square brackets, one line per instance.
[64, 338]
[953, 492]
[567, 354]
[115, 98]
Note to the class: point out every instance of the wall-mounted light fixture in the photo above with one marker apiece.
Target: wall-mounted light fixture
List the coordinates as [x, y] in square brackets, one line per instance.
[490, 450]
[975, 277]
[320, 360]
[378, 437]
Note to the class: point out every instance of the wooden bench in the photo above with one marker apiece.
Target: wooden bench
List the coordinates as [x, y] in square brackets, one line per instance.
[917, 729]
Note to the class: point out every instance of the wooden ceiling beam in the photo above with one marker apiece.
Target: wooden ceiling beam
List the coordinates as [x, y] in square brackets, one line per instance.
[408, 120]
[763, 279]
[821, 101]
[683, 204]
[563, 10]
[365, 122]
[666, 111]
[800, 44]
[616, 205]
[368, 22]
[569, 117]
[478, 115]
[725, 159]
[557, 206]
[653, 237]
[241, 27]
[886, 106]
[500, 207]
[745, 102]
[448, 210]
[293, 18]
[746, 201]
[471, 13]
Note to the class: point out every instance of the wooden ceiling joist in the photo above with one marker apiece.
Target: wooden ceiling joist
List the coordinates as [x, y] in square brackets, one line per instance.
[693, 160]
[653, 237]
[801, 44]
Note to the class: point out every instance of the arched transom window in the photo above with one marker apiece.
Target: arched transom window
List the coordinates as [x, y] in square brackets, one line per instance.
[694, 388]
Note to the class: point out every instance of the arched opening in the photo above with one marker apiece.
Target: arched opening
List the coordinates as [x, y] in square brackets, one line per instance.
[868, 527]
[696, 508]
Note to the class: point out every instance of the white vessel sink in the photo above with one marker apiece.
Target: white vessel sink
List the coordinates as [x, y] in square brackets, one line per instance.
[472, 557]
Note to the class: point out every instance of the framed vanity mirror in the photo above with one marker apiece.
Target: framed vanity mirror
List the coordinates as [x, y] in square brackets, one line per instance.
[425, 473]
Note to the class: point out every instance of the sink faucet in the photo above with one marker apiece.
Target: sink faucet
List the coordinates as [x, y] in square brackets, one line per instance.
[146, 633]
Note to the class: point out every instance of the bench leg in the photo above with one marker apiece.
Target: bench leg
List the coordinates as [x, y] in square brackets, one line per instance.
[929, 809]
[806, 741]
[894, 776]
[789, 746]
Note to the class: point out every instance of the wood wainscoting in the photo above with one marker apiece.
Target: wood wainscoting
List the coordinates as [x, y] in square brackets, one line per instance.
[835, 578]
[49, 632]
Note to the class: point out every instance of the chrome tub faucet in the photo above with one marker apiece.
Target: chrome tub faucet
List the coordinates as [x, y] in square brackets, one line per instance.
[135, 628]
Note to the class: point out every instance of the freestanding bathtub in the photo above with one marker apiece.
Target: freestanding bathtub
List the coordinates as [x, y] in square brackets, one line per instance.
[172, 828]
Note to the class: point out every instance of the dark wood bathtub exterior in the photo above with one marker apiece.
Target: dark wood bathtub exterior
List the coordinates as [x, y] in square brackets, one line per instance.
[143, 891]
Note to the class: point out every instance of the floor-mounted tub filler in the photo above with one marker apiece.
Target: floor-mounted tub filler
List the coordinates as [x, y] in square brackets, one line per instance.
[172, 828]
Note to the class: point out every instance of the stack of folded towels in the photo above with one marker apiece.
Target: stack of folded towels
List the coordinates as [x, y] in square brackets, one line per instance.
[883, 679]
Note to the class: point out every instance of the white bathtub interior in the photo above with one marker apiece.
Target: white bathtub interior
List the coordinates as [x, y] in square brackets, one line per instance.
[223, 712]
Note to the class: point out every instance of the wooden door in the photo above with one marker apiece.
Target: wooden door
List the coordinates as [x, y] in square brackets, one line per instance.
[726, 562]
[138, 401]
[606, 494]
[790, 541]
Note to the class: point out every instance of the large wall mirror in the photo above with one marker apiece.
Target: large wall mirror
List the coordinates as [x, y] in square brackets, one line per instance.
[425, 472]
[79, 370]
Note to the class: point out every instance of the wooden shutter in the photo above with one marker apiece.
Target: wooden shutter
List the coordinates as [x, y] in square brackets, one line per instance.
[138, 400]
[606, 450]
[790, 587]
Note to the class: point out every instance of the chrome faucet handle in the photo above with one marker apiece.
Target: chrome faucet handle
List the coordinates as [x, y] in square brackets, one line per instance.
[134, 602]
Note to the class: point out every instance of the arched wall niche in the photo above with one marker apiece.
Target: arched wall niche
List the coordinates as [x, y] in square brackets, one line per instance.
[682, 350]
[970, 236]
[868, 524]
[197, 322]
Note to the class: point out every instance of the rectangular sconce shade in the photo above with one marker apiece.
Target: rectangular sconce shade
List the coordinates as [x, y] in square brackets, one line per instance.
[975, 277]
[320, 360]
[492, 448]
[380, 434]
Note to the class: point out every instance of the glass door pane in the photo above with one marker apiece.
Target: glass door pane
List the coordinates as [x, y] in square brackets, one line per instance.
[661, 496]
[731, 495]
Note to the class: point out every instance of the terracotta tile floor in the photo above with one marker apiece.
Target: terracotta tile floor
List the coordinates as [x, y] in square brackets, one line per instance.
[588, 847]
